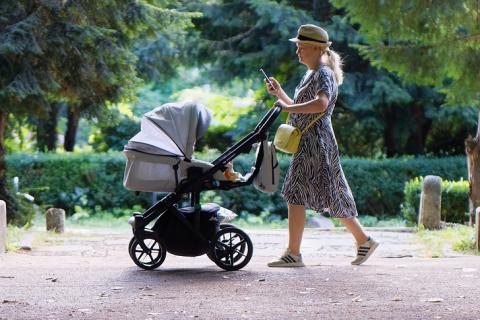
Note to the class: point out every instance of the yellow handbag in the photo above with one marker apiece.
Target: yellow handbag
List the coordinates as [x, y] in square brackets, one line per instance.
[287, 138]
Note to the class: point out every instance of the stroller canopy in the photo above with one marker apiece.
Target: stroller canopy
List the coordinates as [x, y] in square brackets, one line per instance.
[172, 129]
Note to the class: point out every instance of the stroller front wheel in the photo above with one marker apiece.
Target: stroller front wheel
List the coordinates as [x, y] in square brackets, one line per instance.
[147, 259]
[231, 249]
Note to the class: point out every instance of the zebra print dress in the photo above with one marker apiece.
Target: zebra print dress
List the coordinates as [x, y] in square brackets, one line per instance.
[315, 177]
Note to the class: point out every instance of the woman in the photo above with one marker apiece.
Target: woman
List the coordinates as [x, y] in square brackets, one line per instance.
[315, 178]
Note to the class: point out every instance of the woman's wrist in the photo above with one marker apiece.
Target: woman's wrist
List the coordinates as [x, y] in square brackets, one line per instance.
[286, 99]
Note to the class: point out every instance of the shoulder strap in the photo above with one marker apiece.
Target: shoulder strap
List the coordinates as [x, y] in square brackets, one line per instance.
[312, 122]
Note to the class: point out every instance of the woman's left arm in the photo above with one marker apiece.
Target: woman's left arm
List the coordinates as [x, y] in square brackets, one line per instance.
[317, 105]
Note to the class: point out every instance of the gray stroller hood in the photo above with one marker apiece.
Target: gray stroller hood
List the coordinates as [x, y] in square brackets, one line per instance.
[166, 140]
[172, 129]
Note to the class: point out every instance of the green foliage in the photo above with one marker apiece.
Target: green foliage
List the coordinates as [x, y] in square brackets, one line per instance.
[454, 206]
[69, 180]
[89, 180]
[450, 127]
[226, 110]
[253, 32]
[376, 114]
[73, 52]
[437, 243]
[14, 236]
[425, 42]
[113, 135]
[378, 185]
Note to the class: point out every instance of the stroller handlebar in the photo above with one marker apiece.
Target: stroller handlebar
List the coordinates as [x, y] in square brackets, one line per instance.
[252, 137]
[269, 118]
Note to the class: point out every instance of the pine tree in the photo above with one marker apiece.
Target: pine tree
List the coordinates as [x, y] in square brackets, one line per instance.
[428, 42]
[235, 37]
[73, 52]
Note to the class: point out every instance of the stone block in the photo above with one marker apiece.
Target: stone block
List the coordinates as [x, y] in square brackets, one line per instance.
[431, 202]
[56, 220]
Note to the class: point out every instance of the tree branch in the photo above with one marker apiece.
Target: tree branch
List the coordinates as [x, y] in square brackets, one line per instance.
[472, 37]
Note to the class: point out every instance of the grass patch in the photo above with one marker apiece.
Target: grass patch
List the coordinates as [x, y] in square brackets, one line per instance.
[437, 242]
[14, 236]
[115, 218]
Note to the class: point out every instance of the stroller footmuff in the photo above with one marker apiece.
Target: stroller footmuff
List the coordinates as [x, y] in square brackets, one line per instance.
[159, 159]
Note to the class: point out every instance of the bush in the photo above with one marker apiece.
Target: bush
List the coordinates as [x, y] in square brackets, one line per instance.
[88, 180]
[69, 180]
[454, 207]
[378, 185]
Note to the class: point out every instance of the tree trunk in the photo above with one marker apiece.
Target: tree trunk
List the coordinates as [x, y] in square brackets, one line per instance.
[12, 206]
[390, 143]
[72, 126]
[472, 148]
[416, 140]
[51, 135]
[47, 130]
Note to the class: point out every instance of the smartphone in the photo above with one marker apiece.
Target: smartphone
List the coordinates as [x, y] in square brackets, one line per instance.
[267, 78]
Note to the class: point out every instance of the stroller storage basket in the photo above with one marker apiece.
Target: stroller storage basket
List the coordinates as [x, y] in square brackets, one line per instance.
[181, 241]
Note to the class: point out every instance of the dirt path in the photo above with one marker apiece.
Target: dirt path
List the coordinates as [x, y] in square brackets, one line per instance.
[90, 276]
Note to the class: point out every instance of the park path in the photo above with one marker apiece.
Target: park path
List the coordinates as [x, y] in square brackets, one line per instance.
[87, 274]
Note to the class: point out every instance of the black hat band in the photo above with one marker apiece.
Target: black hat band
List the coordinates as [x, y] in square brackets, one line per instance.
[303, 38]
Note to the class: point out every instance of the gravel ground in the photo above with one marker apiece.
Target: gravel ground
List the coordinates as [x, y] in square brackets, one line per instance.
[89, 275]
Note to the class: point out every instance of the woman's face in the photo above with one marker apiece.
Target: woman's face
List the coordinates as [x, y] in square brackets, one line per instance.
[308, 54]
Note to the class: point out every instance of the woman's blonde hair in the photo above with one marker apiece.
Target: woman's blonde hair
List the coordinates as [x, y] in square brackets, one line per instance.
[336, 63]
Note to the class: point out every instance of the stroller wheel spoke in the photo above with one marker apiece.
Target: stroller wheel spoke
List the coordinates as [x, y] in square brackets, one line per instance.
[141, 255]
[222, 245]
[239, 244]
[240, 253]
[151, 258]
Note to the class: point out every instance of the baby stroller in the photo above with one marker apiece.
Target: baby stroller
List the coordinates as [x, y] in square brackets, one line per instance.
[159, 159]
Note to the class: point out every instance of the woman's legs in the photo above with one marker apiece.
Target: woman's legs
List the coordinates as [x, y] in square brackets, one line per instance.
[355, 228]
[296, 224]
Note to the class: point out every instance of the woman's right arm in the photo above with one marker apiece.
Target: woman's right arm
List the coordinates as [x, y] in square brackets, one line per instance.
[277, 91]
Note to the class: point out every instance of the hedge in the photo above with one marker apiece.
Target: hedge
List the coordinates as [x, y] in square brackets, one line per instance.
[454, 207]
[89, 180]
[79, 179]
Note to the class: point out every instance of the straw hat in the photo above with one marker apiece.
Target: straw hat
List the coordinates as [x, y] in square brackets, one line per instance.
[312, 34]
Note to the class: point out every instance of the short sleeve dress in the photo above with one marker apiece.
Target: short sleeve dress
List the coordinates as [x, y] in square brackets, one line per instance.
[315, 177]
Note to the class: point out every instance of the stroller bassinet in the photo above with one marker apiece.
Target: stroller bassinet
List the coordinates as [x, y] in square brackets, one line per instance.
[160, 159]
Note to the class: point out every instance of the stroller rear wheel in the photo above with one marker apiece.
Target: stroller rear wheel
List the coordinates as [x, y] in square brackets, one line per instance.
[241, 249]
[231, 249]
[147, 259]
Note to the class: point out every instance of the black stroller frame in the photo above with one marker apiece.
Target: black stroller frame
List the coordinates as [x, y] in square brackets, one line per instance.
[226, 245]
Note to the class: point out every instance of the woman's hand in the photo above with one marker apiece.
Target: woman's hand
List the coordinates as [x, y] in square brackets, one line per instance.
[274, 90]
[280, 104]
